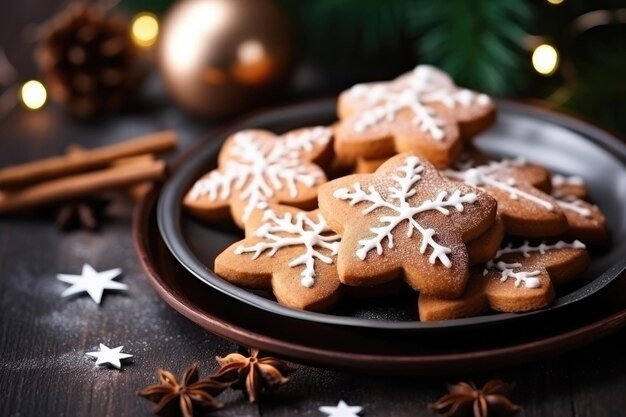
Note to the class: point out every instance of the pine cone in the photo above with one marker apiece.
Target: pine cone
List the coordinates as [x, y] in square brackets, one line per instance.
[88, 60]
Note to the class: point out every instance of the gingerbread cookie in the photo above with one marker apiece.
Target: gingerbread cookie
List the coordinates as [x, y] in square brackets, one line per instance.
[422, 111]
[572, 186]
[405, 220]
[339, 168]
[485, 246]
[518, 279]
[586, 221]
[368, 166]
[479, 250]
[516, 185]
[256, 168]
[291, 251]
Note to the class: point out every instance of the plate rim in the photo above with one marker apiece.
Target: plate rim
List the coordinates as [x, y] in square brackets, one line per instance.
[423, 364]
[170, 229]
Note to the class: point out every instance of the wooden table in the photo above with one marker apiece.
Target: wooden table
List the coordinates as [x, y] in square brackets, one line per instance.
[44, 337]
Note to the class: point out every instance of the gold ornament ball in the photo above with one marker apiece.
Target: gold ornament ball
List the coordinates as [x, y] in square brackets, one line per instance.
[217, 57]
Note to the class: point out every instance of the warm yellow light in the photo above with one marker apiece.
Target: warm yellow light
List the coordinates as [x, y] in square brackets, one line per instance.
[33, 95]
[555, 1]
[144, 29]
[250, 52]
[545, 59]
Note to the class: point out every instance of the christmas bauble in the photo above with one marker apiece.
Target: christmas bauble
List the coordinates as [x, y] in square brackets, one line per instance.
[217, 57]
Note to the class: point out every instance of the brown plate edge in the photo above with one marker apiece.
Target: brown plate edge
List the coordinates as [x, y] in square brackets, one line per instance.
[405, 364]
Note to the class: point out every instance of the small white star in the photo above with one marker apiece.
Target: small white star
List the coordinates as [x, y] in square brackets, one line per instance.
[109, 356]
[92, 282]
[342, 410]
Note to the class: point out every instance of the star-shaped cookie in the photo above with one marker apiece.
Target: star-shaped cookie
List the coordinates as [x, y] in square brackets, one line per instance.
[291, 251]
[585, 220]
[405, 220]
[521, 189]
[485, 246]
[256, 168]
[422, 111]
[519, 278]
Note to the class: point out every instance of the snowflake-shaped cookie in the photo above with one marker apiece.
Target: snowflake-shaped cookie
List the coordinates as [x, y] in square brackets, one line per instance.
[420, 111]
[519, 278]
[406, 219]
[517, 186]
[256, 168]
[585, 221]
[289, 250]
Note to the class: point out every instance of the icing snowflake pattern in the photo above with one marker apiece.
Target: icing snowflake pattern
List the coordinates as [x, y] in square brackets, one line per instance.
[569, 201]
[575, 205]
[528, 278]
[427, 86]
[486, 175]
[408, 175]
[279, 232]
[258, 170]
[561, 180]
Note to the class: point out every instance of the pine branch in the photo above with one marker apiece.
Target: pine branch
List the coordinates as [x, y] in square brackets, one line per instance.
[476, 41]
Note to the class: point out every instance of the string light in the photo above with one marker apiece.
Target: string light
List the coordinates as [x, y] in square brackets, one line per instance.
[33, 95]
[144, 29]
[545, 59]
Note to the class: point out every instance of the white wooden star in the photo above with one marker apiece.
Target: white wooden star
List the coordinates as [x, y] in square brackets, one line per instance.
[109, 356]
[92, 282]
[341, 410]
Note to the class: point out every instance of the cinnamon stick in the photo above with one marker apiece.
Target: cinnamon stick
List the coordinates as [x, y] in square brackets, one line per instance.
[85, 160]
[79, 185]
[137, 191]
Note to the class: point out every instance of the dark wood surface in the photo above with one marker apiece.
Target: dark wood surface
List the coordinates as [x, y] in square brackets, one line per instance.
[44, 337]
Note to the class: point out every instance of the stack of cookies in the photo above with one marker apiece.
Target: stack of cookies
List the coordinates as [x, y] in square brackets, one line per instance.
[421, 203]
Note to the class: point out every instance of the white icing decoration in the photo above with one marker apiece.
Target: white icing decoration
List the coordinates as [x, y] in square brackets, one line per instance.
[280, 232]
[427, 85]
[507, 270]
[258, 170]
[560, 180]
[521, 277]
[576, 206]
[525, 249]
[424, 117]
[405, 189]
[486, 175]
[569, 202]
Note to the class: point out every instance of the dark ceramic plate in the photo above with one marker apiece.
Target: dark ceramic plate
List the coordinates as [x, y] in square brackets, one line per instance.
[371, 350]
[563, 144]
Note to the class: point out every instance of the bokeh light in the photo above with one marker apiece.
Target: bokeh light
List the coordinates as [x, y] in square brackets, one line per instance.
[545, 59]
[144, 29]
[33, 95]
[250, 52]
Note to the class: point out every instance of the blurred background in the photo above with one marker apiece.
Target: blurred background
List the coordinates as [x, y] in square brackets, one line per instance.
[217, 59]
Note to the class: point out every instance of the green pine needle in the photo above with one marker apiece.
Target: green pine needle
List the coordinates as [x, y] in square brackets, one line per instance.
[476, 41]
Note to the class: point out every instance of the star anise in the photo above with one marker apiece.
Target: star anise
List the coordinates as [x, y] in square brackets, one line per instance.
[175, 398]
[252, 373]
[86, 213]
[463, 397]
